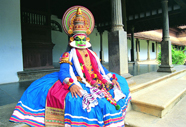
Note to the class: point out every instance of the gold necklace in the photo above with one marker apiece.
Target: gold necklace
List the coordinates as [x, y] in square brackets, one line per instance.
[86, 59]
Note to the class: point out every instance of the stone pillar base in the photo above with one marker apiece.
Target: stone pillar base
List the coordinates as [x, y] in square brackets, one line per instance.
[118, 61]
[166, 68]
[118, 56]
[130, 81]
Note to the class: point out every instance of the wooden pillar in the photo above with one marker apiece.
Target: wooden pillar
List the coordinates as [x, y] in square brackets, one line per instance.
[118, 56]
[137, 45]
[133, 55]
[117, 22]
[166, 55]
[148, 50]
[117, 38]
[156, 50]
[124, 12]
[101, 47]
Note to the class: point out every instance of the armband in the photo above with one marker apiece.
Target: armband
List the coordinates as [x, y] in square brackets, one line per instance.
[71, 86]
[69, 83]
[109, 75]
[79, 79]
[65, 61]
[113, 77]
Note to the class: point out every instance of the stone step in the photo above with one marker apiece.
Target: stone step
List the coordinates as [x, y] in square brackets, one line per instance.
[138, 119]
[28, 75]
[145, 80]
[157, 100]
[175, 117]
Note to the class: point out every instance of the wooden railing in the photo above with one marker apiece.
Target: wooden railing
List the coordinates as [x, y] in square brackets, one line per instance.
[33, 18]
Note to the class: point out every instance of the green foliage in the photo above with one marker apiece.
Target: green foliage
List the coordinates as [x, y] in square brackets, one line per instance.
[159, 58]
[178, 56]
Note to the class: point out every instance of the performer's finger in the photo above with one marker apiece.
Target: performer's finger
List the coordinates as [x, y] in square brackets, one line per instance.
[118, 85]
[115, 83]
[72, 94]
[79, 93]
[80, 88]
[75, 94]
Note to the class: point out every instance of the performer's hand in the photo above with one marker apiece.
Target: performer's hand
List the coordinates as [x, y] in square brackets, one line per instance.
[107, 83]
[75, 90]
[116, 83]
[95, 84]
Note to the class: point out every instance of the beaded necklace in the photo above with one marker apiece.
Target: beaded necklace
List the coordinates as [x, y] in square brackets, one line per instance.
[89, 78]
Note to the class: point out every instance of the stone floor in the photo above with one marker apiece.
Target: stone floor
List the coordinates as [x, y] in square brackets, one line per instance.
[10, 93]
[140, 67]
[160, 94]
[174, 118]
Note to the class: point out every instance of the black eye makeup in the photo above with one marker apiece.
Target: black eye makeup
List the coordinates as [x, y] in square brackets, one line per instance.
[79, 39]
[84, 39]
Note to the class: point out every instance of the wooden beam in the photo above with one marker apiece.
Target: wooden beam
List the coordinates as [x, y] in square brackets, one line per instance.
[124, 14]
[100, 2]
[181, 3]
[152, 17]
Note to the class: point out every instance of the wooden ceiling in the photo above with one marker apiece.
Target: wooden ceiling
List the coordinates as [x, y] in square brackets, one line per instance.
[143, 15]
[147, 14]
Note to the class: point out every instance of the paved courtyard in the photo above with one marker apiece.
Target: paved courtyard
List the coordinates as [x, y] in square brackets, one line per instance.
[10, 93]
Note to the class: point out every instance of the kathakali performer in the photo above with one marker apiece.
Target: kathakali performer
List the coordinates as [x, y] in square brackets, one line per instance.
[83, 93]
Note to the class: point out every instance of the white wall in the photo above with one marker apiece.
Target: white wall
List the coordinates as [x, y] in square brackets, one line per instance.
[129, 49]
[105, 46]
[10, 41]
[60, 39]
[95, 41]
[152, 54]
[143, 49]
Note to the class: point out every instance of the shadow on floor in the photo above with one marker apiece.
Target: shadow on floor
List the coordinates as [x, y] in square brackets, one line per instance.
[142, 68]
[12, 92]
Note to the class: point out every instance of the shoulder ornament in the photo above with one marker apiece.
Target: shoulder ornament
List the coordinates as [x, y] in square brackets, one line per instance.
[65, 58]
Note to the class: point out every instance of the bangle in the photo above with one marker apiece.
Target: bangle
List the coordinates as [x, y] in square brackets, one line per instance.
[65, 86]
[113, 77]
[71, 85]
[71, 81]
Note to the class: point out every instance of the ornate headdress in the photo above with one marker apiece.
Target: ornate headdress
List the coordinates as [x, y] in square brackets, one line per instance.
[78, 20]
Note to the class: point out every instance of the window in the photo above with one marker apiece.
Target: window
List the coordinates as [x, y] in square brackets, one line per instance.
[139, 46]
[153, 48]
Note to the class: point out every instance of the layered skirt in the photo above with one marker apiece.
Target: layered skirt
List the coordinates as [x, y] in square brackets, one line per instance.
[47, 103]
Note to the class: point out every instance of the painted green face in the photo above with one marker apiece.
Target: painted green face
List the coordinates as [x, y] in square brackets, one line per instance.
[80, 41]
